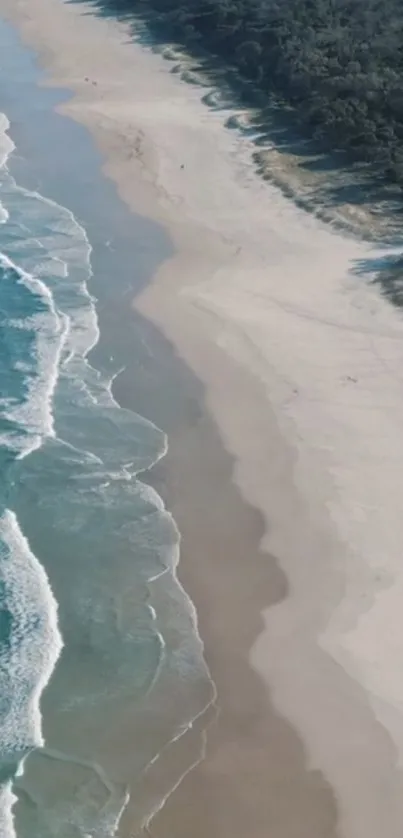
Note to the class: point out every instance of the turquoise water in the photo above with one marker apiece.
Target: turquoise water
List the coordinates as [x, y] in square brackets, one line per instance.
[101, 664]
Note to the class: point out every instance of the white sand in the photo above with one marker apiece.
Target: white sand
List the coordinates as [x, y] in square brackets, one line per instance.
[258, 281]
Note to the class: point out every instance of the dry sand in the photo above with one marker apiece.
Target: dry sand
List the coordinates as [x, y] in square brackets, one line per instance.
[302, 363]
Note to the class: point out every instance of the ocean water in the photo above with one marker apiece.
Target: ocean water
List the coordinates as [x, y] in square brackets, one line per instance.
[101, 664]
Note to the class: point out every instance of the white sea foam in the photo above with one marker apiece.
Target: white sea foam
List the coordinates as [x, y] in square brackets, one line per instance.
[6, 148]
[7, 800]
[29, 651]
[34, 414]
[6, 144]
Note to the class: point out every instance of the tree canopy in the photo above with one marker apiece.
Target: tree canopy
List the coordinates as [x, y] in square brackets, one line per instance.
[338, 63]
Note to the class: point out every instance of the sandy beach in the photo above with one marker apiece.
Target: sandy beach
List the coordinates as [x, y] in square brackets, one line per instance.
[285, 477]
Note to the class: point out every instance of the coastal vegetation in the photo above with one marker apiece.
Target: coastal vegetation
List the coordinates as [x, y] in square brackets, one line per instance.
[337, 63]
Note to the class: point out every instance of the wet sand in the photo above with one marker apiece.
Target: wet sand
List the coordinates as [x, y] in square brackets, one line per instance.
[284, 475]
[254, 779]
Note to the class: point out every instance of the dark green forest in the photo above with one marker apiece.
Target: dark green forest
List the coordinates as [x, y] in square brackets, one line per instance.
[337, 63]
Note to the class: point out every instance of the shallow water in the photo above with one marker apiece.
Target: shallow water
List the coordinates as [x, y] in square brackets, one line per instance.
[101, 663]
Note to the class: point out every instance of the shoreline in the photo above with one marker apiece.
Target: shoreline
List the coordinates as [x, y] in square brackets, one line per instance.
[172, 710]
[288, 396]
